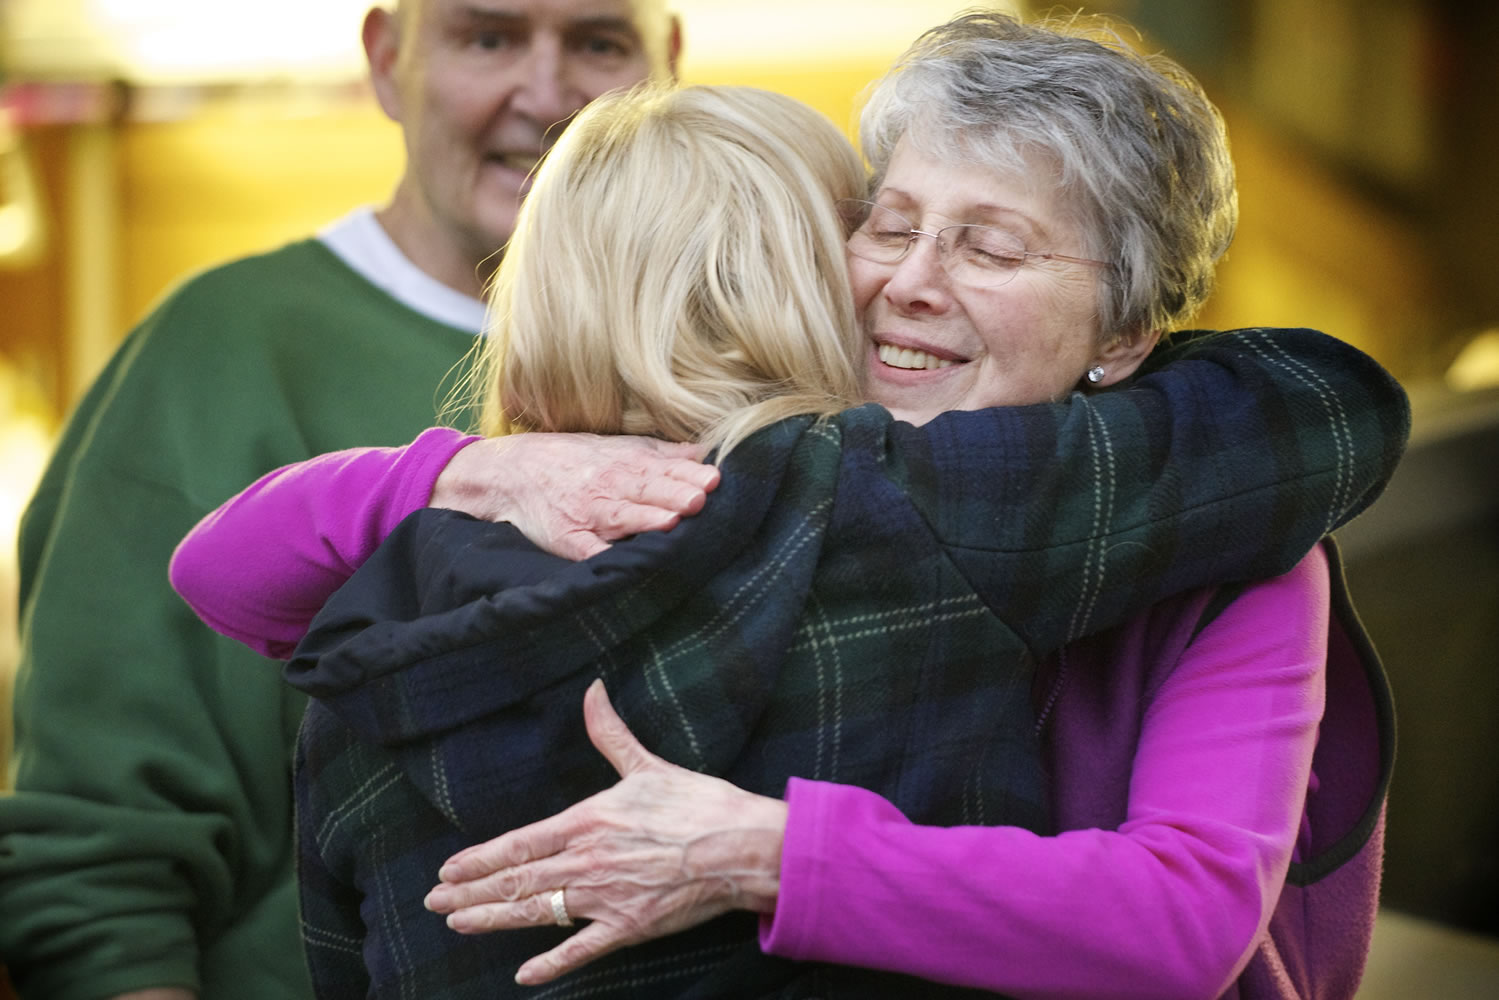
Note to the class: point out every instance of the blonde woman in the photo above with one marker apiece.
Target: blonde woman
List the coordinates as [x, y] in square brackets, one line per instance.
[857, 607]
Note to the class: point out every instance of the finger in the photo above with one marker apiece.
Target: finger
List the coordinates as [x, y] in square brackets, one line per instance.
[528, 843]
[689, 471]
[613, 520]
[692, 451]
[657, 459]
[682, 496]
[592, 942]
[508, 885]
[610, 736]
[704, 477]
[511, 884]
[619, 487]
[579, 544]
[482, 918]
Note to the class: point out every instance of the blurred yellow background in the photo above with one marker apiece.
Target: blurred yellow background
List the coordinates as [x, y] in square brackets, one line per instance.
[1339, 231]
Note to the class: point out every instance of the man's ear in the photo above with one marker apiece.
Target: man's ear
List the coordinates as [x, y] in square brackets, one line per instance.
[1125, 353]
[674, 48]
[381, 34]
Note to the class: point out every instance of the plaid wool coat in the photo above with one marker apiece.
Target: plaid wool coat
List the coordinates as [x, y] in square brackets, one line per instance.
[861, 601]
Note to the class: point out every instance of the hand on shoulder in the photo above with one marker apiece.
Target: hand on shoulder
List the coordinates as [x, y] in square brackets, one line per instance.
[574, 494]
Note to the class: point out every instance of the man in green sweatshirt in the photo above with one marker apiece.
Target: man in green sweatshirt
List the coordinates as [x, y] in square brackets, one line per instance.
[146, 849]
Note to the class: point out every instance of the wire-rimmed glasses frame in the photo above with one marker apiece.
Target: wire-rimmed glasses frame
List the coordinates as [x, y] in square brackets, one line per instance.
[979, 256]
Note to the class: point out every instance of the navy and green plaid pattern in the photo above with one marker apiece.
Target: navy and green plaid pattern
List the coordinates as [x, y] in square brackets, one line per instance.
[861, 601]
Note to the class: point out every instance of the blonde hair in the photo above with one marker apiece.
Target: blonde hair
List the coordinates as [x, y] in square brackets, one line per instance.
[677, 270]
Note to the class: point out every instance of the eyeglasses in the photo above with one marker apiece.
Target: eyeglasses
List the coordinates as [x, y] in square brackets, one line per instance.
[980, 256]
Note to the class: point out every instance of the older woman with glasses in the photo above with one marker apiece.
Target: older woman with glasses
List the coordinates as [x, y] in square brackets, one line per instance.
[841, 648]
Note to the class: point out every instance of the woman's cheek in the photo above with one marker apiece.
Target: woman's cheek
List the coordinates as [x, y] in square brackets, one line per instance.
[866, 279]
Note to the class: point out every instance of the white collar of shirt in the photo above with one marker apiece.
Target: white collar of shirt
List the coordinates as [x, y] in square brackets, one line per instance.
[361, 242]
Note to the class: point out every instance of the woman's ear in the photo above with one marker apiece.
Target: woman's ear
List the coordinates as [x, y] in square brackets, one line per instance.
[1122, 355]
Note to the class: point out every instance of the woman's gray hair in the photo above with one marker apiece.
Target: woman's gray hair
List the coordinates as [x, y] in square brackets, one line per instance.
[1141, 153]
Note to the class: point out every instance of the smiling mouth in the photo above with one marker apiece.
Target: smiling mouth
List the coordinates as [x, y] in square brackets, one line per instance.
[524, 162]
[909, 358]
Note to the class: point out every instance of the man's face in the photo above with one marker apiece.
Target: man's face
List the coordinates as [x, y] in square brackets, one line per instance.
[482, 88]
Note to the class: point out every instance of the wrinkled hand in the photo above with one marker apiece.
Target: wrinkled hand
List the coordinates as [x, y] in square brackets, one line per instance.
[573, 494]
[663, 850]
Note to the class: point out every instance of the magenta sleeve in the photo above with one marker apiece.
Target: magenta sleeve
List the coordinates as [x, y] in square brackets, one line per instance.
[1169, 904]
[261, 565]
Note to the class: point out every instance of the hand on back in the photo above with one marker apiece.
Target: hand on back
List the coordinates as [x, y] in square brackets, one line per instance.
[574, 494]
[663, 850]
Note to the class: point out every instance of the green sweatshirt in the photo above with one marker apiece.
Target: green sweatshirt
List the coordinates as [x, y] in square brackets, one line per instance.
[148, 841]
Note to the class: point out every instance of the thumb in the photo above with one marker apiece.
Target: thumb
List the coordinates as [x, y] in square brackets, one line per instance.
[610, 736]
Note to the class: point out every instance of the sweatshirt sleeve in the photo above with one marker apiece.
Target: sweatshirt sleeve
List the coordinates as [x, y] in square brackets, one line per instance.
[1169, 904]
[146, 836]
[326, 514]
[1228, 461]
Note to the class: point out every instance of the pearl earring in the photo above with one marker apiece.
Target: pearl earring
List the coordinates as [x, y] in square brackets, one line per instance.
[1095, 374]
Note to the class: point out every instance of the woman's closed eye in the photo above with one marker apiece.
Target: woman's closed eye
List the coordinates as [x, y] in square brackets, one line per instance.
[987, 247]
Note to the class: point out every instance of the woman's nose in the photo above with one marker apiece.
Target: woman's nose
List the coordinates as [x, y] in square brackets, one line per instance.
[920, 282]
